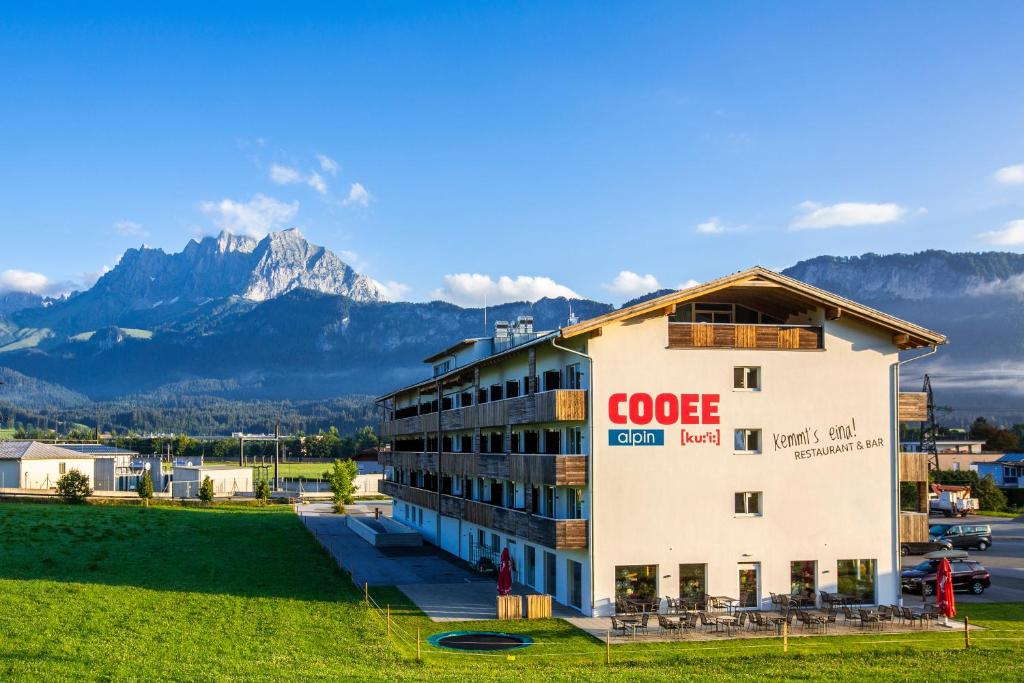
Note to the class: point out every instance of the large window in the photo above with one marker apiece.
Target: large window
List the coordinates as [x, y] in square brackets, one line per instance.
[747, 440]
[749, 585]
[857, 579]
[748, 378]
[575, 573]
[748, 503]
[636, 582]
[803, 578]
[693, 581]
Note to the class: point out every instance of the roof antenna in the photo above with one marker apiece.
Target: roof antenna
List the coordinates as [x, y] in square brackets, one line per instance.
[485, 314]
[572, 318]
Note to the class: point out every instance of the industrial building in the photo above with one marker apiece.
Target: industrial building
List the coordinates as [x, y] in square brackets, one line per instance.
[735, 438]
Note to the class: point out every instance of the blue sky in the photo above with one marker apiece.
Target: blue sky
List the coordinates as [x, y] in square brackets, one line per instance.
[585, 147]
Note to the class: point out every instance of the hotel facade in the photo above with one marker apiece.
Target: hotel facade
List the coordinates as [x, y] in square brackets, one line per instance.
[737, 438]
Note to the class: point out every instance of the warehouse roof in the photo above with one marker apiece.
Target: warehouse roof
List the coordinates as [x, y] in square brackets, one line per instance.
[34, 450]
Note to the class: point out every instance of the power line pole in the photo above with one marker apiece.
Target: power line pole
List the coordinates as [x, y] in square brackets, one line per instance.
[277, 456]
[929, 428]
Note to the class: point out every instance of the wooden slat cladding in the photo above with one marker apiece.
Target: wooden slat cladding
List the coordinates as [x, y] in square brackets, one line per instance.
[913, 467]
[913, 406]
[913, 527]
[558, 405]
[426, 499]
[536, 470]
[728, 336]
[559, 534]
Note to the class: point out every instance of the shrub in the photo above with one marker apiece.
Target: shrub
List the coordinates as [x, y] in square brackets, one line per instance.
[145, 488]
[73, 487]
[989, 496]
[262, 491]
[206, 490]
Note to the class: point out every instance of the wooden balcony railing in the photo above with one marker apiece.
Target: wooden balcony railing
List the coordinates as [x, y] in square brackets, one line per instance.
[913, 527]
[913, 467]
[913, 406]
[558, 405]
[410, 494]
[559, 534]
[535, 470]
[729, 336]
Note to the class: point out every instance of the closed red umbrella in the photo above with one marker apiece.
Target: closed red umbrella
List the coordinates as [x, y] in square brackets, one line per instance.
[505, 574]
[944, 589]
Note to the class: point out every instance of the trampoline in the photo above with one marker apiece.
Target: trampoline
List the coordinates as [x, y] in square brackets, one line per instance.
[479, 641]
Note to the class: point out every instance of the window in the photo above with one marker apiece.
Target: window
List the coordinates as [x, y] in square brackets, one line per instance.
[573, 376]
[636, 582]
[749, 587]
[803, 578]
[530, 557]
[496, 390]
[574, 503]
[62, 468]
[857, 578]
[747, 441]
[573, 440]
[693, 581]
[442, 368]
[552, 380]
[511, 388]
[749, 503]
[746, 378]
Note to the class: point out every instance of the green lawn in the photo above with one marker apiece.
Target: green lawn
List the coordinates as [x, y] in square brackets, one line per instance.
[120, 592]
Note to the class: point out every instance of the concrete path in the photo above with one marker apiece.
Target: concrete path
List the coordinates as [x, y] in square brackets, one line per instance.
[440, 584]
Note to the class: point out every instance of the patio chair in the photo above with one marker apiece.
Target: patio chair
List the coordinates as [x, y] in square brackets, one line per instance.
[930, 616]
[741, 620]
[885, 614]
[869, 619]
[618, 626]
[707, 621]
[896, 613]
[826, 598]
[776, 600]
[688, 622]
[668, 626]
[759, 622]
[848, 614]
[911, 616]
[642, 626]
[672, 605]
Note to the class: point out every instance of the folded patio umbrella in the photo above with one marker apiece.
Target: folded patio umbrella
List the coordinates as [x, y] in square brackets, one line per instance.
[944, 589]
[505, 574]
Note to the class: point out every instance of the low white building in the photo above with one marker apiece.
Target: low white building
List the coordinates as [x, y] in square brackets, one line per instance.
[227, 481]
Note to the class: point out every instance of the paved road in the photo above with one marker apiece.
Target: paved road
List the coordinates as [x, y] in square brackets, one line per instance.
[1004, 560]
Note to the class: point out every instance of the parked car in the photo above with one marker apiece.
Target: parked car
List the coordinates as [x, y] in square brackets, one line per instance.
[922, 547]
[963, 536]
[968, 575]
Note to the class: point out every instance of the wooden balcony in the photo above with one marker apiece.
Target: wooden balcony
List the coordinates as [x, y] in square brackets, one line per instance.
[558, 405]
[409, 494]
[534, 470]
[729, 336]
[913, 467]
[913, 406]
[913, 527]
[559, 534]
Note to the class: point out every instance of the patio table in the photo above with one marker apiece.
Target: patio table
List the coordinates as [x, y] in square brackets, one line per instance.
[729, 602]
[728, 622]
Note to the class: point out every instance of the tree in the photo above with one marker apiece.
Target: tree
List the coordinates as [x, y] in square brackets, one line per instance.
[342, 477]
[988, 494]
[73, 487]
[262, 491]
[145, 488]
[206, 490]
[1002, 440]
[981, 430]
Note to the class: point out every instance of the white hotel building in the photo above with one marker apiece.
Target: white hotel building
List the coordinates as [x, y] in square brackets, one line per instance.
[735, 438]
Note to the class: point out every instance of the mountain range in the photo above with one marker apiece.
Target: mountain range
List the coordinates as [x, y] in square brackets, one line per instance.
[280, 318]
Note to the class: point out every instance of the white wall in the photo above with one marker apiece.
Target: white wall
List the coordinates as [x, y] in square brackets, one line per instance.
[44, 473]
[674, 504]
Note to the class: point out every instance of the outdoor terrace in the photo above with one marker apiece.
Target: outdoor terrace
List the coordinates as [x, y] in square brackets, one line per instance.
[536, 470]
[745, 336]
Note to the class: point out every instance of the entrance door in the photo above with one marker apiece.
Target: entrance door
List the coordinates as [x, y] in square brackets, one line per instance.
[575, 570]
[550, 573]
[530, 561]
[749, 584]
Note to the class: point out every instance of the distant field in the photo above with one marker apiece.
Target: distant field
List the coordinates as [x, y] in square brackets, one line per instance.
[119, 592]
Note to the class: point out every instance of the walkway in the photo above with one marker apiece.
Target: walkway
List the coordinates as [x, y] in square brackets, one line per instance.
[440, 584]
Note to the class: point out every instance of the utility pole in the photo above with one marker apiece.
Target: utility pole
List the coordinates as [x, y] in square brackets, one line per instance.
[277, 456]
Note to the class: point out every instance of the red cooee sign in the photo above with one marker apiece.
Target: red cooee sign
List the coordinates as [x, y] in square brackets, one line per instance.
[665, 409]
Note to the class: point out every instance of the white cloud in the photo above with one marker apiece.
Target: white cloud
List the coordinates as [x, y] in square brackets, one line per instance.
[1010, 175]
[284, 175]
[14, 280]
[1013, 285]
[687, 284]
[130, 229]
[316, 181]
[628, 284]
[88, 279]
[327, 164]
[469, 289]
[1012, 234]
[358, 194]
[817, 216]
[255, 218]
[715, 226]
[391, 290]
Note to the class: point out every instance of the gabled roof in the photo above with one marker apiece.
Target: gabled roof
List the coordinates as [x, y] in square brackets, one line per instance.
[453, 349]
[771, 288]
[34, 450]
